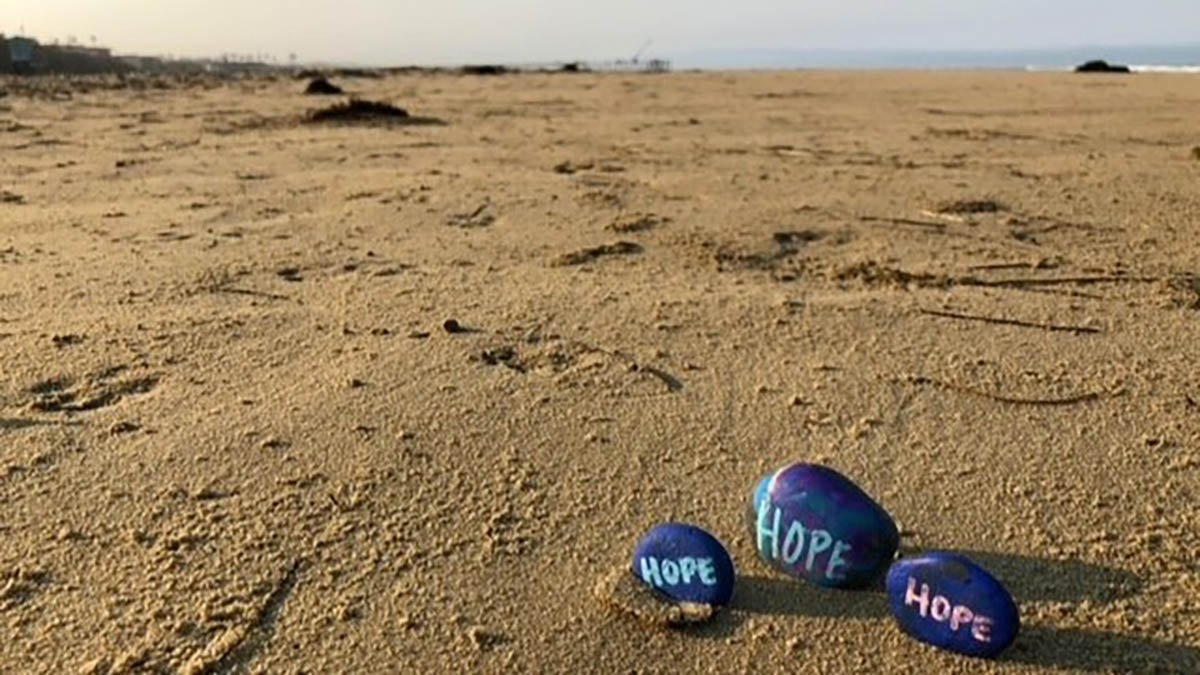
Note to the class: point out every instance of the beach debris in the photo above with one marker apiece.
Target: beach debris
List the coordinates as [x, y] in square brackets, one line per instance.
[289, 274]
[361, 111]
[686, 564]
[569, 168]
[638, 223]
[1085, 397]
[948, 601]
[504, 355]
[453, 326]
[811, 522]
[124, 427]
[7, 197]
[673, 383]
[486, 640]
[67, 340]
[961, 206]
[1101, 66]
[498, 355]
[480, 216]
[587, 255]
[320, 86]
[1056, 328]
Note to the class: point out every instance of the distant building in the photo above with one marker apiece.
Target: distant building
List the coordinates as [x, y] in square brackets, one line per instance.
[148, 63]
[658, 66]
[21, 51]
[93, 52]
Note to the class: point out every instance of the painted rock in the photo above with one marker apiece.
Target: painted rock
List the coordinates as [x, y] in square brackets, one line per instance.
[685, 563]
[946, 600]
[812, 522]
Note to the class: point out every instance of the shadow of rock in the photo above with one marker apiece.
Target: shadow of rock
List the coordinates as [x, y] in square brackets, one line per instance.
[1098, 651]
[788, 597]
[1032, 579]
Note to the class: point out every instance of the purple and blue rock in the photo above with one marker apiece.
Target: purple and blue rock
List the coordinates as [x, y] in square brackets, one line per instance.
[811, 522]
[948, 601]
[685, 564]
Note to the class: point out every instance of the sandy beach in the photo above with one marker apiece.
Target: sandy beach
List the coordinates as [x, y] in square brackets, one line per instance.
[236, 435]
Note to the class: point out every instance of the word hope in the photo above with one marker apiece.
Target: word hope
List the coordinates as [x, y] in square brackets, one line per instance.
[941, 610]
[674, 572]
[793, 544]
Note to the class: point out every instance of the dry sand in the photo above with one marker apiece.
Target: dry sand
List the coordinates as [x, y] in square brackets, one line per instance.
[235, 437]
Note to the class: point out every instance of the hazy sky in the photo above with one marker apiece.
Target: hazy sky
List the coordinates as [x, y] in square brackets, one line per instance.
[457, 31]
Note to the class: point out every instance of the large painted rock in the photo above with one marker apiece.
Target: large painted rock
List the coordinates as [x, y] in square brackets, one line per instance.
[812, 522]
[685, 563]
[946, 600]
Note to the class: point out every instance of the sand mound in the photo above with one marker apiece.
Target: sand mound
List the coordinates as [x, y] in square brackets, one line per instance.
[358, 111]
[621, 591]
[322, 87]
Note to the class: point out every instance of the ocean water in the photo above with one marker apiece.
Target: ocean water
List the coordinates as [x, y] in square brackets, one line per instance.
[1171, 59]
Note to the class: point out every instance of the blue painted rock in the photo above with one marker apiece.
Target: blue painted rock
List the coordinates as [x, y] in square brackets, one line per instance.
[685, 563]
[946, 600]
[812, 522]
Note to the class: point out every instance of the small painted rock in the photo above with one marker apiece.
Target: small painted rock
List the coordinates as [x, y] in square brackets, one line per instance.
[685, 563]
[812, 522]
[946, 600]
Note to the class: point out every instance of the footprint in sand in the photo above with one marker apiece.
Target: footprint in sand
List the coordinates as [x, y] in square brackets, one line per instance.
[587, 255]
[65, 395]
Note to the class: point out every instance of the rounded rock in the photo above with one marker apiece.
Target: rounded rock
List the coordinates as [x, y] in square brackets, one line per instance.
[948, 601]
[685, 563]
[813, 523]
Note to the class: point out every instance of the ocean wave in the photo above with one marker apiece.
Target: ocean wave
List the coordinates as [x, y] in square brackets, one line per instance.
[1165, 69]
[1144, 68]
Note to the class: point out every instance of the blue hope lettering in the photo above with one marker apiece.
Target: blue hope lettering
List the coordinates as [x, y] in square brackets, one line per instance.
[676, 571]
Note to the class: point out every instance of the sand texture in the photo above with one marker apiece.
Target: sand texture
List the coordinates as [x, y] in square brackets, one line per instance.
[236, 435]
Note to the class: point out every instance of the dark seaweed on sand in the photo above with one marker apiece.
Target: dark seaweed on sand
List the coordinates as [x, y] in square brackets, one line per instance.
[973, 206]
[485, 69]
[359, 111]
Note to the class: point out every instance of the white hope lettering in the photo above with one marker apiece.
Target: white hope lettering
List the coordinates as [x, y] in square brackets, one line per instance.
[940, 609]
[673, 572]
[798, 540]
